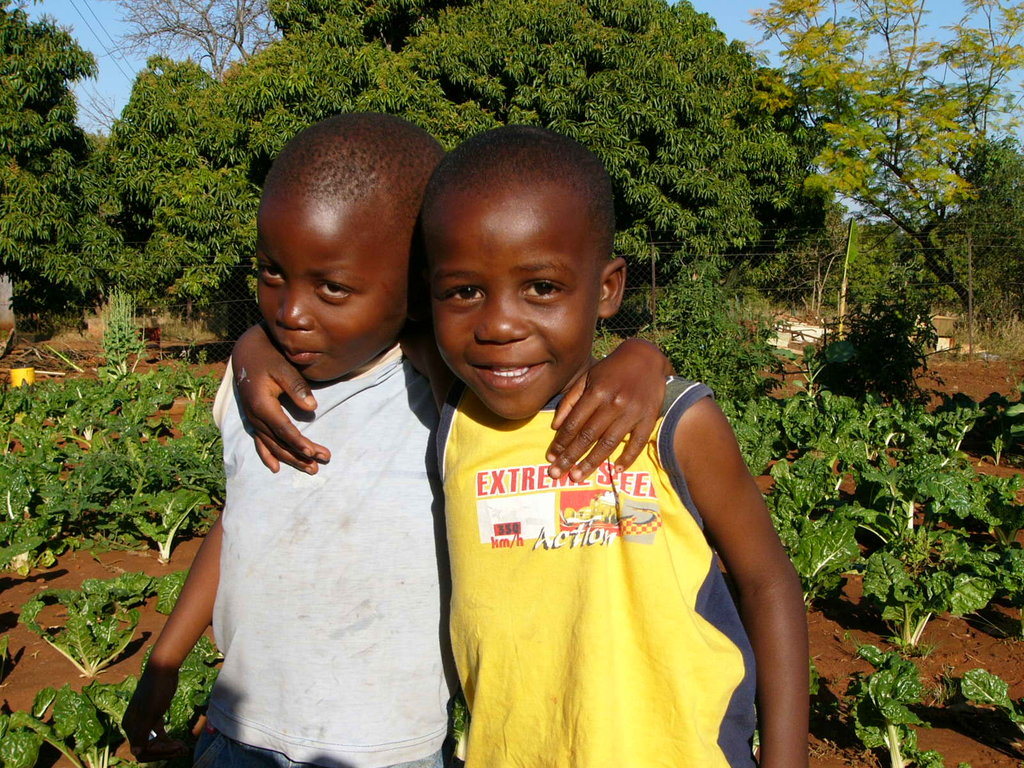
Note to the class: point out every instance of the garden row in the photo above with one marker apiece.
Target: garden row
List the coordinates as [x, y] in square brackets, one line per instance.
[91, 627]
[129, 461]
[120, 461]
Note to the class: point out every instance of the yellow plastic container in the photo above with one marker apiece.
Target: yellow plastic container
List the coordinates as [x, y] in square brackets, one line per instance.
[21, 376]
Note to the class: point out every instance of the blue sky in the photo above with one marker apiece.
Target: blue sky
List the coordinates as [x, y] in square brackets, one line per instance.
[97, 27]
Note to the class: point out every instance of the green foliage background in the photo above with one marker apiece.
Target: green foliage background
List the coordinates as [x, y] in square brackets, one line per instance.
[702, 151]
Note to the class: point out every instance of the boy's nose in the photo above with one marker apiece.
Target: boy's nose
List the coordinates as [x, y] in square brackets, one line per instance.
[500, 323]
[291, 312]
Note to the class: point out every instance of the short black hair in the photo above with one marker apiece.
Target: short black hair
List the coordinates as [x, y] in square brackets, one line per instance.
[357, 156]
[525, 154]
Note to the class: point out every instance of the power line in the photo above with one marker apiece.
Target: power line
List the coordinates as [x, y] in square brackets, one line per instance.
[113, 42]
[112, 57]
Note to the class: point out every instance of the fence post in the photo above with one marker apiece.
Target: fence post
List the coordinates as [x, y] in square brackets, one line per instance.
[970, 292]
[851, 252]
[6, 311]
[654, 284]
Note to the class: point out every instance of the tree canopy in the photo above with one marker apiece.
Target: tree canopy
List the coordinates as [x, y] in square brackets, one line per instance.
[701, 151]
[53, 238]
[988, 229]
[904, 112]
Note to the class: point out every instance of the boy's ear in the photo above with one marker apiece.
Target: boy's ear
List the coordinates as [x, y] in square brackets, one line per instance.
[613, 282]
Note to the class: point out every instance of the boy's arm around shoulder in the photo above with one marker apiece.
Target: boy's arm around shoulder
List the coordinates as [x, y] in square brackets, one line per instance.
[263, 375]
[192, 614]
[769, 595]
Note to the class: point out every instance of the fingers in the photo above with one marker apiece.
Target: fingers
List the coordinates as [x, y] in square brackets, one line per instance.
[262, 375]
[639, 434]
[581, 430]
[567, 403]
[278, 440]
[273, 454]
[622, 397]
[285, 443]
[601, 435]
[294, 386]
[599, 423]
[266, 454]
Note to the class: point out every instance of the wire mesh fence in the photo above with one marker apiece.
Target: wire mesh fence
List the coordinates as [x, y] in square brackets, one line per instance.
[759, 282]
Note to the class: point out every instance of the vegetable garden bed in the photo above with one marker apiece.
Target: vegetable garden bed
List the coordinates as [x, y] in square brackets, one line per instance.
[847, 493]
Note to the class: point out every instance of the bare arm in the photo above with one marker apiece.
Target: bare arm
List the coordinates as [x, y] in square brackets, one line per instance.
[770, 601]
[620, 395]
[192, 614]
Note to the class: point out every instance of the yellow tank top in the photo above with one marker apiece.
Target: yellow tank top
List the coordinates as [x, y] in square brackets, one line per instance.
[591, 624]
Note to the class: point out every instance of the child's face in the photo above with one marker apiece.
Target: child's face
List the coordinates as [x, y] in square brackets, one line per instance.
[517, 284]
[332, 282]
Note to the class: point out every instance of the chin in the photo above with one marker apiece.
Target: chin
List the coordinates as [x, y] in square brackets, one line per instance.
[509, 411]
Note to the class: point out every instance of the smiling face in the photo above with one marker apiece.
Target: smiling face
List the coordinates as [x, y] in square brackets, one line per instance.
[518, 281]
[332, 281]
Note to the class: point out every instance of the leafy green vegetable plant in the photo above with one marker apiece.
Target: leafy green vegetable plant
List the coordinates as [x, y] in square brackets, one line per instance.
[99, 622]
[1009, 576]
[995, 504]
[756, 426]
[196, 677]
[80, 455]
[1004, 422]
[820, 542]
[170, 510]
[5, 657]
[168, 588]
[924, 574]
[82, 726]
[881, 708]
[980, 686]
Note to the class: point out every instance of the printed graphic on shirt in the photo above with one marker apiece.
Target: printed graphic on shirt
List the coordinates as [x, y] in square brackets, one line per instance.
[517, 505]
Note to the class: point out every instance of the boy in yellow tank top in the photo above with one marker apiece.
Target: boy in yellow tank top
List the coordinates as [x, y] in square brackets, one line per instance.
[591, 623]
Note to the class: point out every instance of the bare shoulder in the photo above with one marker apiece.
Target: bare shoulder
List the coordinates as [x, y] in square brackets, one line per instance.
[704, 443]
[735, 516]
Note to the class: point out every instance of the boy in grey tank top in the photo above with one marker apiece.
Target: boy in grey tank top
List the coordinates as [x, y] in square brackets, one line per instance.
[328, 605]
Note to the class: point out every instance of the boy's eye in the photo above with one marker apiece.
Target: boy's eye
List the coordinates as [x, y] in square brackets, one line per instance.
[463, 293]
[335, 290]
[543, 288]
[269, 272]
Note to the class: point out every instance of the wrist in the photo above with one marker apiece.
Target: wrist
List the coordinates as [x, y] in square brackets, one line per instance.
[163, 662]
[653, 349]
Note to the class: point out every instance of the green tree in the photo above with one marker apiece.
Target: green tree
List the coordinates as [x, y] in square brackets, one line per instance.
[179, 189]
[53, 240]
[903, 112]
[989, 229]
[688, 125]
[695, 135]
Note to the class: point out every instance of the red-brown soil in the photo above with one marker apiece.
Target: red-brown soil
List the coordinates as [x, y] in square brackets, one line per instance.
[960, 732]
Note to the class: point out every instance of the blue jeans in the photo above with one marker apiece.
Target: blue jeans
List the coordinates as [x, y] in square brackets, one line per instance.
[215, 750]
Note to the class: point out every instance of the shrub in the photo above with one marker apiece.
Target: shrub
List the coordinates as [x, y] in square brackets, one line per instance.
[882, 352]
[706, 342]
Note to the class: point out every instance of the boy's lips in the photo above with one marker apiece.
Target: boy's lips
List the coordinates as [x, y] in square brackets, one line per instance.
[506, 376]
[301, 357]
